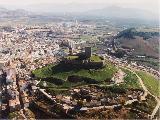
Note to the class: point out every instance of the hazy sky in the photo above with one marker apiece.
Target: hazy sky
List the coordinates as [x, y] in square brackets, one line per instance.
[143, 4]
[76, 1]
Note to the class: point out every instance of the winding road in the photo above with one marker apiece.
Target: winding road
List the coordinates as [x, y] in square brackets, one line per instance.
[146, 92]
[143, 97]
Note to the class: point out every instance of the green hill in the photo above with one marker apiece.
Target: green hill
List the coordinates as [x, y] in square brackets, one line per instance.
[144, 43]
[61, 71]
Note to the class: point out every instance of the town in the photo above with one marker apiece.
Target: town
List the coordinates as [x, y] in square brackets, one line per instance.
[75, 51]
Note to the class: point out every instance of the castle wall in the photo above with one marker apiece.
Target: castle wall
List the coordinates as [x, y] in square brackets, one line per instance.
[84, 63]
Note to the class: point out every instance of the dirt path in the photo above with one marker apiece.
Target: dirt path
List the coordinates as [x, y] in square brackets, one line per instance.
[156, 108]
[146, 92]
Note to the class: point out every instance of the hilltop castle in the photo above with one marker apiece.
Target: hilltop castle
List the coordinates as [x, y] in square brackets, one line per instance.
[84, 60]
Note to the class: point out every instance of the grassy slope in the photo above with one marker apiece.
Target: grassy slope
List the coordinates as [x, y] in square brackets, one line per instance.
[51, 71]
[150, 82]
[95, 58]
[100, 75]
[131, 81]
[72, 57]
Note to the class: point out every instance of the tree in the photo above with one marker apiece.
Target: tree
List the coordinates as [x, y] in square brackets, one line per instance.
[120, 53]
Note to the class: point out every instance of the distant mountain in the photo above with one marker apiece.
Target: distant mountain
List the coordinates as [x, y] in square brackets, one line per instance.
[119, 16]
[90, 9]
[63, 8]
[120, 12]
[5, 13]
[3, 9]
[23, 16]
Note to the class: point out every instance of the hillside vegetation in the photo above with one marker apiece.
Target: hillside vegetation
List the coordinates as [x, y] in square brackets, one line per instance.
[150, 82]
[60, 71]
[143, 43]
[132, 32]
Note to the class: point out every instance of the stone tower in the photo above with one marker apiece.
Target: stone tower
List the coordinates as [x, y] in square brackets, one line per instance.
[88, 52]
